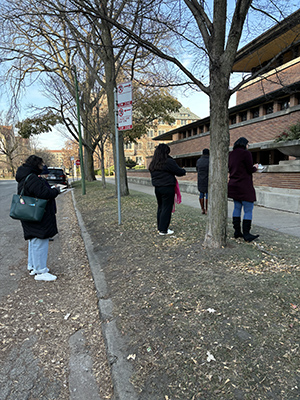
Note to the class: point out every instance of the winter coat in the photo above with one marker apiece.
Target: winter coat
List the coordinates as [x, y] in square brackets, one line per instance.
[240, 185]
[37, 187]
[166, 176]
[202, 169]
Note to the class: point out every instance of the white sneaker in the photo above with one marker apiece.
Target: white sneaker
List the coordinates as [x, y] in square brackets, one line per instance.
[45, 277]
[166, 233]
[33, 271]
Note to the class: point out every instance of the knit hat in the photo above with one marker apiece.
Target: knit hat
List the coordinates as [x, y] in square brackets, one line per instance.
[205, 151]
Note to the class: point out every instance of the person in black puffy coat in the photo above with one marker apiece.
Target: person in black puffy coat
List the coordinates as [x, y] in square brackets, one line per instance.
[202, 167]
[38, 233]
[163, 169]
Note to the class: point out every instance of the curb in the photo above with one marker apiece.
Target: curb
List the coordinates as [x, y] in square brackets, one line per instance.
[121, 369]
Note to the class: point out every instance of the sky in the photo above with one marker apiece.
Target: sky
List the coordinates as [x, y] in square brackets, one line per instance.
[197, 102]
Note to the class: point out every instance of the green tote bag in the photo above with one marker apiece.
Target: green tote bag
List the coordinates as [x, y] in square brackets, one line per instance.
[27, 208]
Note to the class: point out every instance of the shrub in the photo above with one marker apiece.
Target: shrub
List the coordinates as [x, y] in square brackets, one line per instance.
[108, 171]
[130, 163]
[292, 133]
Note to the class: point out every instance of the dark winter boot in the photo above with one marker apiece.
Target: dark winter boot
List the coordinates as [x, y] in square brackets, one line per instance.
[236, 221]
[246, 231]
[202, 205]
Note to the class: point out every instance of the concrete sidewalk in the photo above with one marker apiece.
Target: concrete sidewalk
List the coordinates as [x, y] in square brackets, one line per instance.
[280, 221]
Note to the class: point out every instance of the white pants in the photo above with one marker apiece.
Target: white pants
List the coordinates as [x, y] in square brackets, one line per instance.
[37, 255]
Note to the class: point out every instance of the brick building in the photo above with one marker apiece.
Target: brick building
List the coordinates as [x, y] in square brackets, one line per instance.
[144, 147]
[265, 106]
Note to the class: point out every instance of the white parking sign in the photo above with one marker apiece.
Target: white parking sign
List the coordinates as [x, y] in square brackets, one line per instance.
[124, 100]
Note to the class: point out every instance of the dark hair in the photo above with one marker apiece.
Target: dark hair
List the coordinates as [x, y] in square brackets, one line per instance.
[240, 143]
[205, 151]
[159, 157]
[34, 161]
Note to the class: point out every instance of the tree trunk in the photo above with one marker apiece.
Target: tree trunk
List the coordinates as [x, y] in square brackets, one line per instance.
[123, 171]
[102, 166]
[216, 228]
[111, 106]
[89, 164]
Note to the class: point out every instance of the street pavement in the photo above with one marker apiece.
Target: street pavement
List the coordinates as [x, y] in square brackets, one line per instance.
[11, 237]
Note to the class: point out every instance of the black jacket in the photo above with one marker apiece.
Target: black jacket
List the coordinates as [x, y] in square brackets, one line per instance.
[202, 169]
[37, 187]
[166, 176]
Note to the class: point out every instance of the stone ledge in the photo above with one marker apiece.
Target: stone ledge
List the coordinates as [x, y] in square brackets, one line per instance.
[276, 198]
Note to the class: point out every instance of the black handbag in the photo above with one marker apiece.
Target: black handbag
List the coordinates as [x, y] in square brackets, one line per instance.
[27, 208]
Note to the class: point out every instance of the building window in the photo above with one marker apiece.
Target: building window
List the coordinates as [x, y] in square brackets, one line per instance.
[255, 112]
[243, 116]
[128, 146]
[182, 122]
[284, 103]
[150, 133]
[150, 145]
[139, 145]
[233, 119]
[268, 108]
[139, 160]
[161, 132]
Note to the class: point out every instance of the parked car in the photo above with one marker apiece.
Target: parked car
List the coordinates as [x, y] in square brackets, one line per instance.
[57, 176]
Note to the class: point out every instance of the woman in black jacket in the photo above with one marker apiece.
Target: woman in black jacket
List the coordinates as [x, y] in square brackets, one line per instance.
[241, 189]
[163, 170]
[38, 233]
[202, 167]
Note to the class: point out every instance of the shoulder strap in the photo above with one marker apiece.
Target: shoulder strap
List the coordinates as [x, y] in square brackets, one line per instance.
[23, 188]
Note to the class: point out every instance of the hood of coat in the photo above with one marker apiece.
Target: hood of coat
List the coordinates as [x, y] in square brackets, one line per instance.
[25, 170]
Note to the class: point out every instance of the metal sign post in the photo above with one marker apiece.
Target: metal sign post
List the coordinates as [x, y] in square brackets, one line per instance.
[117, 157]
[123, 121]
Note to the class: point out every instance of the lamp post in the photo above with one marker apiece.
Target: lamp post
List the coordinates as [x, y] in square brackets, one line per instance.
[79, 132]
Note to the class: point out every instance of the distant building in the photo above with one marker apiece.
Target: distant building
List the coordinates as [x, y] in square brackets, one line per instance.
[57, 159]
[13, 150]
[144, 148]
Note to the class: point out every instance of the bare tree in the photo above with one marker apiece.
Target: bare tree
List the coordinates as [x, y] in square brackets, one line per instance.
[13, 148]
[50, 37]
[207, 36]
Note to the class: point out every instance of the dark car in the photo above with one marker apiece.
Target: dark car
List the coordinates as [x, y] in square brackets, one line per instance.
[57, 176]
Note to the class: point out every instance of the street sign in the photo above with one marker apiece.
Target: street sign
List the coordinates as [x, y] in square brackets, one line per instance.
[77, 162]
[124, 118]
[124, 101]
[124, 94]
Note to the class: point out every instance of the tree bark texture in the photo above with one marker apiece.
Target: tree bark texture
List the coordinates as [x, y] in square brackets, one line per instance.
[218, 164]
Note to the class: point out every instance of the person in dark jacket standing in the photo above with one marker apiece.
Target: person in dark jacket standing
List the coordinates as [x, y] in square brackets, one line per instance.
[202, 167]
[38, 233]
[241, 189]
[163, 170]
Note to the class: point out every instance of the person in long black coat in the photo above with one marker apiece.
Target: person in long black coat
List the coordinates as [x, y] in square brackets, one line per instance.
[163, 169]
[38, 233]
[202, 167]
[241, 189]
